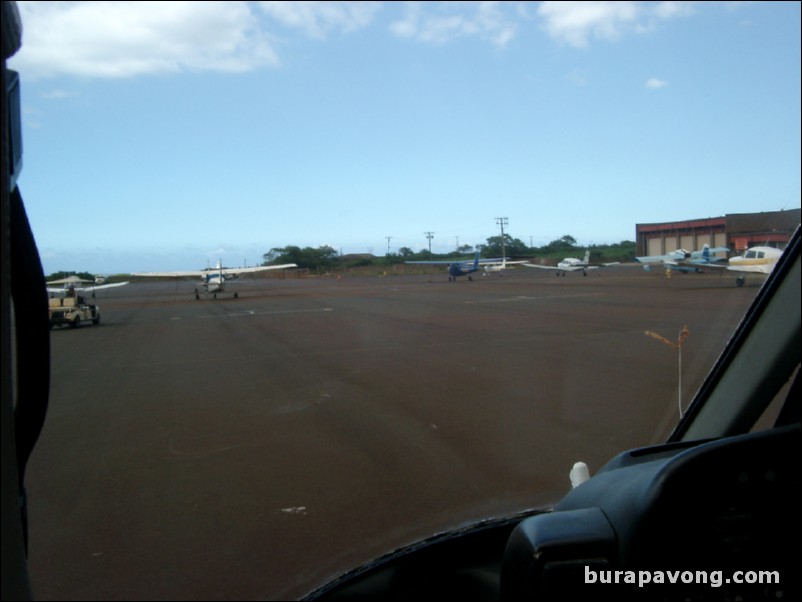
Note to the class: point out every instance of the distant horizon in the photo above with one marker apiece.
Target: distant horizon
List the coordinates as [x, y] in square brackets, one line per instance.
[210, 264]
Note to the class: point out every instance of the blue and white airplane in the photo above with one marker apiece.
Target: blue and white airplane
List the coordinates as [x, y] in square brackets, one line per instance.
[460, 268]
[213, 280]
[686, 261]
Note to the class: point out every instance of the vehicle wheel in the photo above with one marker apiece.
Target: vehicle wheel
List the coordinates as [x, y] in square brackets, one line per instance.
[75, 323]
[96, 320]
[739, 281]
[236, 295]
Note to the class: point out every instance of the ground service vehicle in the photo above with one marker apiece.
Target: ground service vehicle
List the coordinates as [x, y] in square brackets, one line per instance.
[72, 312]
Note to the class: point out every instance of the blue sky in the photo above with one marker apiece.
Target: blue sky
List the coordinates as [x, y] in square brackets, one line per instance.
[161, 135]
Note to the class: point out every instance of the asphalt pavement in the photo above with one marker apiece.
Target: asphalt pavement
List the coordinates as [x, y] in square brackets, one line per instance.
[254, 448]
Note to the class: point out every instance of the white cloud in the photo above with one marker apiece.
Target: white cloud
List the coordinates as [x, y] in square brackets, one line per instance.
[124, 39]
[445, 21]
[575, 23]
[318, 19]
[655, 83]
[667, 10]
[57, 94]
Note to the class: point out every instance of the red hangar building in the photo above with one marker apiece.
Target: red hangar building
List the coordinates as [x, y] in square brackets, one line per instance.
[738, 231]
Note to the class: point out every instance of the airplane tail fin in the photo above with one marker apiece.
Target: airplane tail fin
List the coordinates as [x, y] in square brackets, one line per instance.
[476, 261]
[587, 256]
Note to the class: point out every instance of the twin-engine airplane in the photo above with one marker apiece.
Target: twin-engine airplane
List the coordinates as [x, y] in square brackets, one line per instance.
[572, 264]
[213, 280]
[686, 261]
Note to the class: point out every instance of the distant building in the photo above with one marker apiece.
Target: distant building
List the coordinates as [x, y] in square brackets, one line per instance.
[737, 231]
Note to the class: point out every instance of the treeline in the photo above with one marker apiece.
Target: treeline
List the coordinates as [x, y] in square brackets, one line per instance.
[327, 259]
[62, 275]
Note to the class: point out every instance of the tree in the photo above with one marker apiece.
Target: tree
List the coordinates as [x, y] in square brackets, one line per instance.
[320, 259]
[566, 244]
[512, 247]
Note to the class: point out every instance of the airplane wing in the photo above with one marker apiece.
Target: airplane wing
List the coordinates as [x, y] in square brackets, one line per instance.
[453, 261]
[456, 261]
[711, 251]
[656, 259]
[495, 262]
[179, 274]
[198, 273]
[82, 289]
[572, 268]
[756, 269]
[97, 287]
[260, 268]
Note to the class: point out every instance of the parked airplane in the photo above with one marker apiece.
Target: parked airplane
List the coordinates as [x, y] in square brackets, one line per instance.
[460, 268]
[758, 260]
[490, 268]
[572, 264]
[73, 284]
[686, 261]
[213, 280]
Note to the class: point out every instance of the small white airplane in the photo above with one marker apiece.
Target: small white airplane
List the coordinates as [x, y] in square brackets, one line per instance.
[686, 261]
[757, 260]
[213, 280]
[491, 268]
[572, 264]
[73, 284]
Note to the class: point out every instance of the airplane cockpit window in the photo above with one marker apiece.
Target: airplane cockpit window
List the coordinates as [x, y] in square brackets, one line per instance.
[399, 299]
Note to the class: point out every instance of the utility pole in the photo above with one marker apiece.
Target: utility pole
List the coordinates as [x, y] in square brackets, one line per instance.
[430, 236]
[502, 221]
[388, 244]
